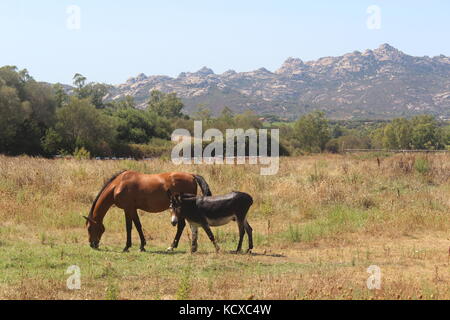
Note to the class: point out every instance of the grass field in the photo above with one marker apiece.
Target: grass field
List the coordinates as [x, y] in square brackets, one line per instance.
[318, 225]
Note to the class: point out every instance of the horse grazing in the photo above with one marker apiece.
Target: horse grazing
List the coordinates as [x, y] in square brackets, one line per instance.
[130, 191]
[209, 211]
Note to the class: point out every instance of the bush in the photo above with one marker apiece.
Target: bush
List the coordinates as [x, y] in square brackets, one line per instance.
[154, 149]
[332, 146]
[81, 153]
[422, 166]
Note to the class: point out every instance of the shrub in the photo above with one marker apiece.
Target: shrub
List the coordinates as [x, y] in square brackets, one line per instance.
[154, 149]
[422, 166]
[81, 153]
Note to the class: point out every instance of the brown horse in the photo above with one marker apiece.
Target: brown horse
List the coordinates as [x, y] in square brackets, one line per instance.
[130, 191]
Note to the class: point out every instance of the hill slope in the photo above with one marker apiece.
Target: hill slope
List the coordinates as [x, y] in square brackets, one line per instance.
[378, 84]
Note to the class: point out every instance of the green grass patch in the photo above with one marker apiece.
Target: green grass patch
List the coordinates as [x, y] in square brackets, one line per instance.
[337, 220]
[422, 166]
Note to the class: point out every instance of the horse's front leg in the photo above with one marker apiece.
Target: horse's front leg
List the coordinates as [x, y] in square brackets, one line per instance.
[180, 227]
[138, 225]
[128, 226]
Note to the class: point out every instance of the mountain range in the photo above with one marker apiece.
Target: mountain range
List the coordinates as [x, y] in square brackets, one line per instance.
[375, 84]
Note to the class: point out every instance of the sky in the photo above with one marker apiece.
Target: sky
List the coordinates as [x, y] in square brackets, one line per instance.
[110, 41]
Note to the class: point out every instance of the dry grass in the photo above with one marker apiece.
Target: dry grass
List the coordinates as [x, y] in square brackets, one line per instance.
[319, 223]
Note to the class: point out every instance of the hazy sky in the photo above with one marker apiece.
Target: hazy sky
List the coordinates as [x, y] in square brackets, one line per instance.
[117, 39]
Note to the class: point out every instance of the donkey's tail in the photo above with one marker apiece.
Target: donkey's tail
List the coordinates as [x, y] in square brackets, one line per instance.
[100, 192]
[203, 185]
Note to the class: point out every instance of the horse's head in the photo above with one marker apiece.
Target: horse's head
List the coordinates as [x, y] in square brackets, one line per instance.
[95, 231]
[177, 204]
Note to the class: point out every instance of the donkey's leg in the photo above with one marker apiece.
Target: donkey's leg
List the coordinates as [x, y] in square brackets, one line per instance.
[180, 227]
[194, 230]
[240, 224]
[138, 225]
[249, 230]
[128, 226]
[211, 236]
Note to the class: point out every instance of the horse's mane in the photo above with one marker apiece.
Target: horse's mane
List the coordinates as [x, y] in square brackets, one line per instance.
[107, 182]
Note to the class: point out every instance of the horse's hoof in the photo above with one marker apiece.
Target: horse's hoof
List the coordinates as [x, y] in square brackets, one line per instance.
[143, 250]
[125, 250]
[249, 251]
[169, 249]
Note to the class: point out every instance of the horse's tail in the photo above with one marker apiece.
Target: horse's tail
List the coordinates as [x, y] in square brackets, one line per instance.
[203, 185]
[91, 212]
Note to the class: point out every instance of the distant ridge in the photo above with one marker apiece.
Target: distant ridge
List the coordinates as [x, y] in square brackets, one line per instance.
[375, 84]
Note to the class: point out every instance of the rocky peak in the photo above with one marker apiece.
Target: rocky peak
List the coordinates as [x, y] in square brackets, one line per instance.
[388, 52]
[138, 78]
[442, 59]
[367, 53]
[353, 54]
[263, 70]
[229, 73]
[205, 71]
[290, 66]
[379, 83]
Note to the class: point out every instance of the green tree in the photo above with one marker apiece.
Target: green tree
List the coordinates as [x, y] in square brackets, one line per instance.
[27, 111]
[79, 124]
[398, 134]
[140, 126]
[247, 120]
[12, 113]
[124, 103]
[61, 97]
[95, 92]
[226, 115]
[10, 76]
[165, 105]
[337, 131]
[426, 133]
[312, 132]
[79, 81]
[446, 136]
[203, 113]
[376, 138]
[347, 142]
[225, 120]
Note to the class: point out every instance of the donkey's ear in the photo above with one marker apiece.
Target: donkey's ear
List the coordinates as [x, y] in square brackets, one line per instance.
[185, 196]
[190, 199]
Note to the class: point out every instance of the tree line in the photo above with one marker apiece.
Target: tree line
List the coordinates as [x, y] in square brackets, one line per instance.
[45, 120]
[314, 133]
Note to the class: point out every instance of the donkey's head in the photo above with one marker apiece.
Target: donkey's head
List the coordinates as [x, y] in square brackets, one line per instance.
[178, 205]
[175, 207]
[95, 231]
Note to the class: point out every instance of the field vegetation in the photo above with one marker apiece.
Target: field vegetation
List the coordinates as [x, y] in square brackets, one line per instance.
[318, 225]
